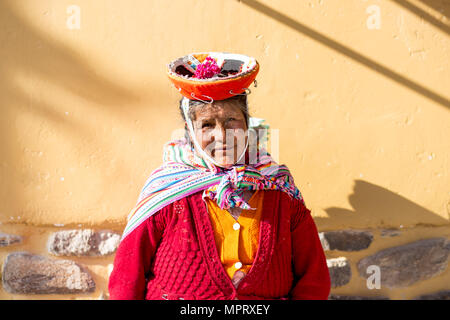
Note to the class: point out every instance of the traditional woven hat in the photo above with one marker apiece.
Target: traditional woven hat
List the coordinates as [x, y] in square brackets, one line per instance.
[210, 76]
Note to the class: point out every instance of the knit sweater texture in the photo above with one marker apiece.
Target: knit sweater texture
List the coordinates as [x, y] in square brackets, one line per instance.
[173, 255]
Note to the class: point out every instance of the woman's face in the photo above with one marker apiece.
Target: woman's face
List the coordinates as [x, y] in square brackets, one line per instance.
[220, 130]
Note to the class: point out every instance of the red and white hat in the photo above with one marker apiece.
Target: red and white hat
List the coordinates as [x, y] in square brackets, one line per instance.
[210, 76]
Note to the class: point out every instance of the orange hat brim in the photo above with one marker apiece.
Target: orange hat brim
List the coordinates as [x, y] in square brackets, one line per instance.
[217, 89]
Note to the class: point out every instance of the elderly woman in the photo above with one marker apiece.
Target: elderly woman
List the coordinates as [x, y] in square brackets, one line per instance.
[219, 219]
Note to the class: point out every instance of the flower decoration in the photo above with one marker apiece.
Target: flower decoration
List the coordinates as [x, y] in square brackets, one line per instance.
[207, 69]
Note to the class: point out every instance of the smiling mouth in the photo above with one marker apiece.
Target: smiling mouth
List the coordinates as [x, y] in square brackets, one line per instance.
[223, 150]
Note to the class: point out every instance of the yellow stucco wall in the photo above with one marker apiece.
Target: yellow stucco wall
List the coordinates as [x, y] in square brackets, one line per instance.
[363, 113]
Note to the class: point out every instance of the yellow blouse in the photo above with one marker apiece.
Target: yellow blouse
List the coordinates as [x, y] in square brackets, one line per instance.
[236, 240]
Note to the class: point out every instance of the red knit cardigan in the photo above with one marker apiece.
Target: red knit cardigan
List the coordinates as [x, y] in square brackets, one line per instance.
[173, 255]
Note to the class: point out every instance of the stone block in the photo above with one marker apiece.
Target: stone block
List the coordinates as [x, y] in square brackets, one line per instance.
[83, 242]
[346, 240]
[404, 265]
[9, 239]
[340, 271]
[26, 273]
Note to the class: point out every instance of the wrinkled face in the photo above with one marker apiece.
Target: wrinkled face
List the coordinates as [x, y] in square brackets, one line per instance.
[220, 130]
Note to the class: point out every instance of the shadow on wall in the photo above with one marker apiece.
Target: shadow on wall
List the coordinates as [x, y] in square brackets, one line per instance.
[355, 56]
[441, 6]
[374, 206]
[29, 54]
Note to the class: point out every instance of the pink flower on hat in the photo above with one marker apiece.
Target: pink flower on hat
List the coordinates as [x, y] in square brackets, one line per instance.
[207, 69]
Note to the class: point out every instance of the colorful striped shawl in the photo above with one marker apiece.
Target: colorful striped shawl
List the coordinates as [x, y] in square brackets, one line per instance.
[183, 173]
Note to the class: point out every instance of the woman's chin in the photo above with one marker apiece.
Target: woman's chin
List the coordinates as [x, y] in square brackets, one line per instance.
[224, 161]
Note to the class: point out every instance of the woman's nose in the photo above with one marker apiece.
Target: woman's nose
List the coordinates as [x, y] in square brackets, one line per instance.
[219, 134]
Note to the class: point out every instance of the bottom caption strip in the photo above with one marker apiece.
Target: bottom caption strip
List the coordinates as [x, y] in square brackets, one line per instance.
[232, 309]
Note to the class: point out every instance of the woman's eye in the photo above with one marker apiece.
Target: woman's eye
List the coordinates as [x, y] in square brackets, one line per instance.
[206, 125]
